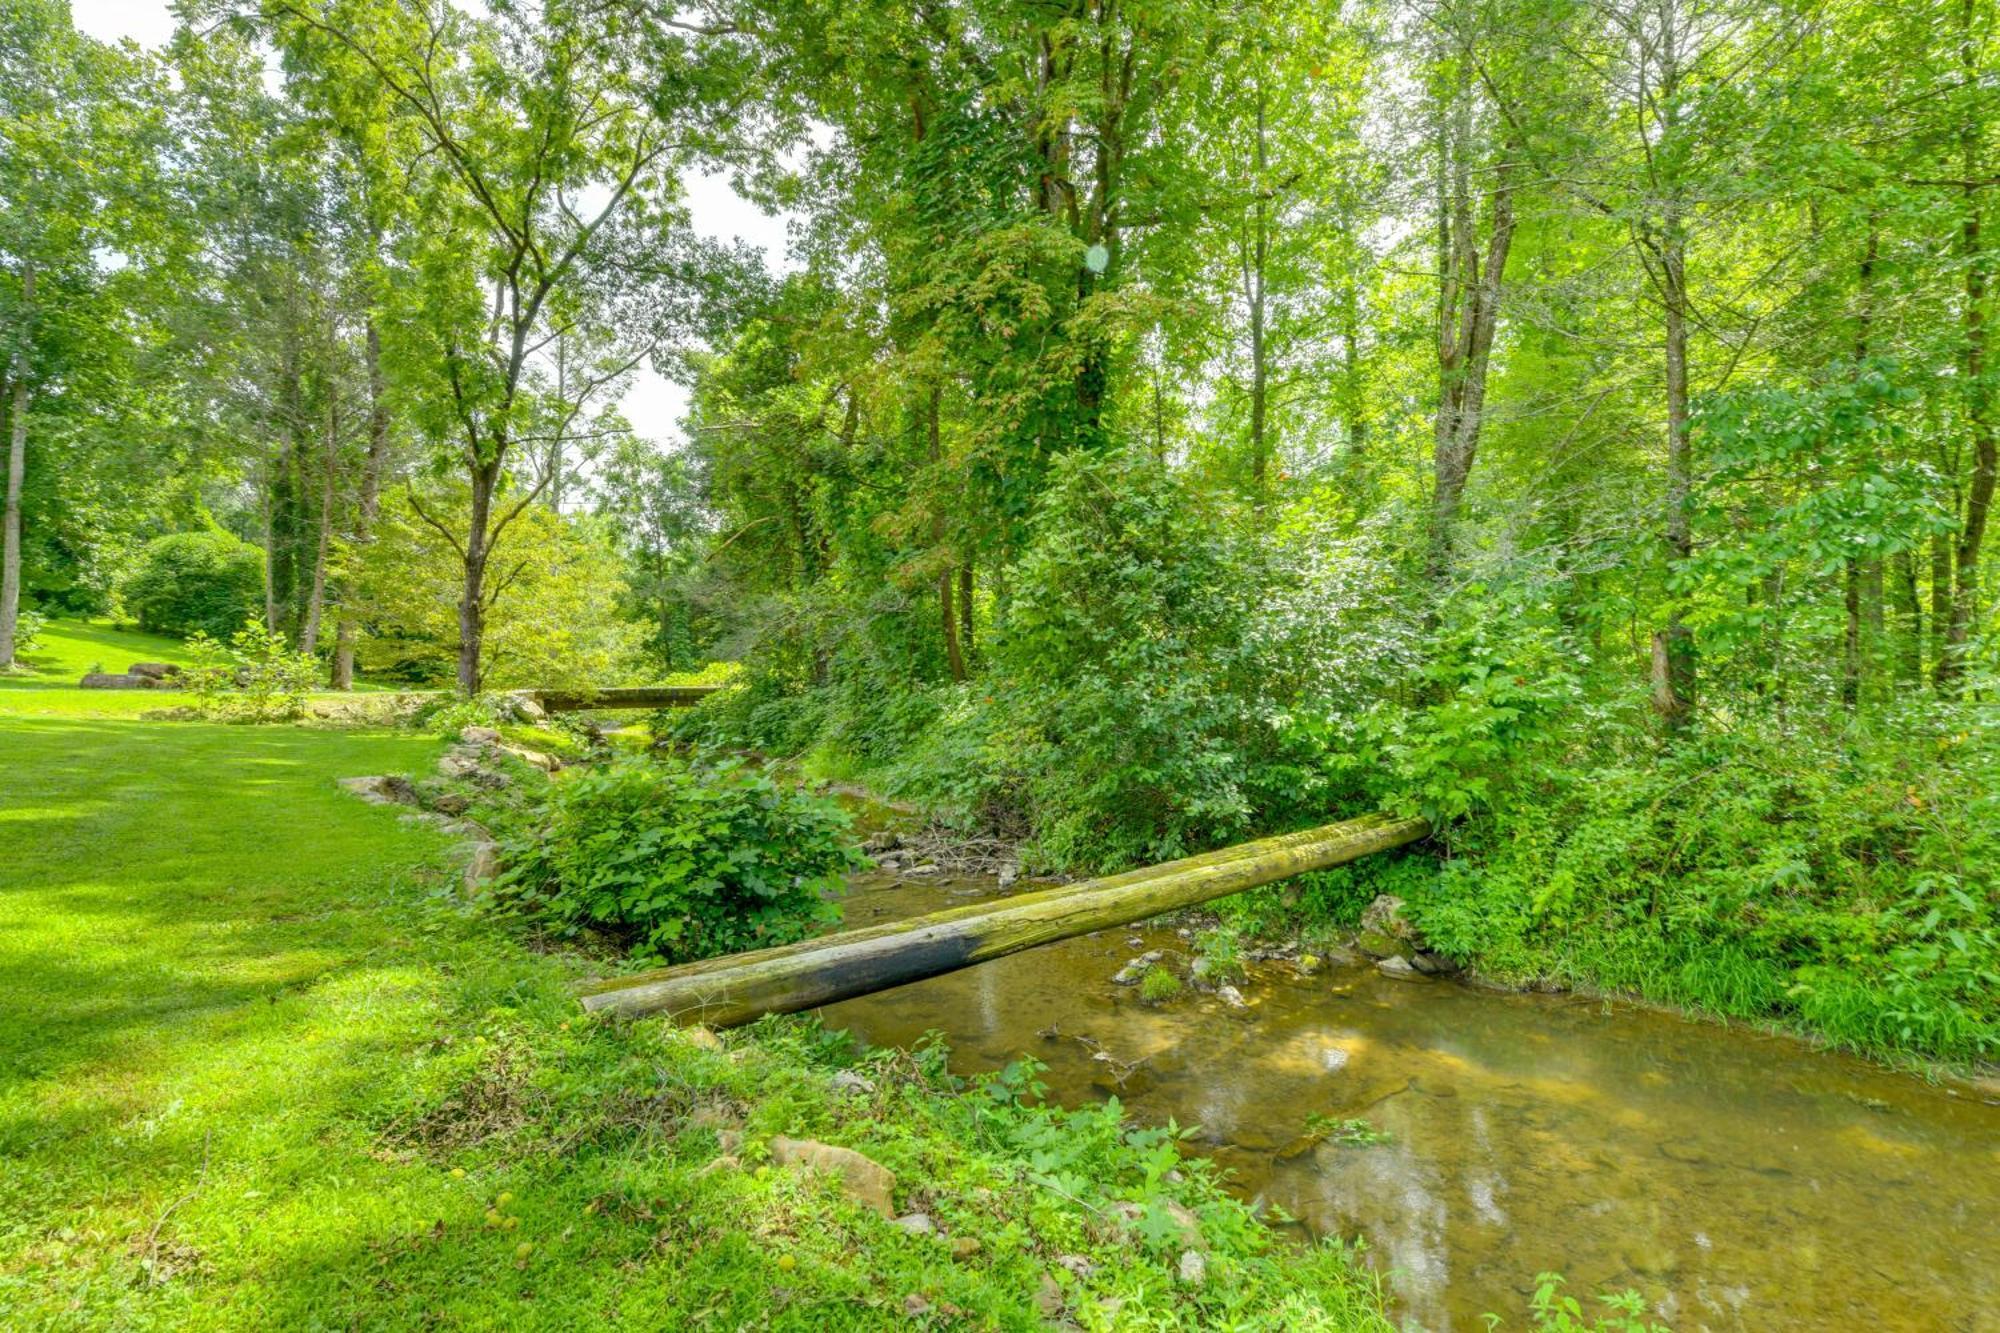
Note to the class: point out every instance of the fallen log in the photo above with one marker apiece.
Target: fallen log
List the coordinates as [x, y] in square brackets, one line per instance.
[722, 992]
[623, 696]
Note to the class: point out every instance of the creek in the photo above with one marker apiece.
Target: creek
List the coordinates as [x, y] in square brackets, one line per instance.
[1736, 1179]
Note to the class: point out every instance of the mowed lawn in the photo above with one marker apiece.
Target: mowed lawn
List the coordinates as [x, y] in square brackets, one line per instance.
[198, 978]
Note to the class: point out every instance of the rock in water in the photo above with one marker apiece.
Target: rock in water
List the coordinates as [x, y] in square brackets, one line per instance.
[1399, 968]
[867, 1182]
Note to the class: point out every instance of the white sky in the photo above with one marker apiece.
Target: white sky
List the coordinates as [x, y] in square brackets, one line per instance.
[653, 405]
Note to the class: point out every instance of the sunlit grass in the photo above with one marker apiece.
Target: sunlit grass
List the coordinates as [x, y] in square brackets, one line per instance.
[261, 1067]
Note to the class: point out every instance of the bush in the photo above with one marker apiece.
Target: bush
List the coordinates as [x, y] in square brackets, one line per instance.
[679, 862]
[257, 678]
[28, 628]
[195, 581]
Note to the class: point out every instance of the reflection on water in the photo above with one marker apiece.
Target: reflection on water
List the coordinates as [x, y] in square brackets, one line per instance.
[1736, 1180]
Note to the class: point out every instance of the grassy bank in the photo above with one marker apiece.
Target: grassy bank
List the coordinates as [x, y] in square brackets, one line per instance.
[261, 1067]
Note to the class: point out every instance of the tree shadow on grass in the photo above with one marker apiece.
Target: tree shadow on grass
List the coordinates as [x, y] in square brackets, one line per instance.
[154, 874]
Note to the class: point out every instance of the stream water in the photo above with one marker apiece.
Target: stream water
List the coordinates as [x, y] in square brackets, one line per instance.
[1737, 1180]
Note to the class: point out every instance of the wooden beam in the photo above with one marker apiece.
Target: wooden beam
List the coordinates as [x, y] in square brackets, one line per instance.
[624, 696]
[736, 989]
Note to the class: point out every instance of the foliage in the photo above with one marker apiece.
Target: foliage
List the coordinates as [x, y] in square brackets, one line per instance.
[28, 631]
[1348, 1132]
[1554, 1312]
[680, 862]
[1221, 956]
[554, 620]
[195, 581]
[257, 678]
[1159, 985]
[448, 717]
[1838, 878]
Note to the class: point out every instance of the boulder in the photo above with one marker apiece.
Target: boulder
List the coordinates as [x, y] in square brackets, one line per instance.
[106, 680]
[1432, 964]
[153, 670]
[1398, 967]
[388, 789]
[866, 1182]
[483, 866]
[849, 1081]
[548, 763]
[1385, 930]
[479, 736]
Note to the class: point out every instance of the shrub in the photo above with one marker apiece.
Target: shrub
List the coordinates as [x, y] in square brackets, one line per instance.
[257, 678]
[680, 862]
[195, 581]
[28, 628]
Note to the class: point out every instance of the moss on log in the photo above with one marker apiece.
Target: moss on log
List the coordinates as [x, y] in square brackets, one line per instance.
[624, 696]
[742, 987]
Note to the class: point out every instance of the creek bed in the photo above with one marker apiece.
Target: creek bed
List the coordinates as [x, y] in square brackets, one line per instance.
[1737, 1180]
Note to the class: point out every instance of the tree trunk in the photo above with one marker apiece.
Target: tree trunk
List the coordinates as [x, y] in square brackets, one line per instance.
[965, 614]
[17, 475]
[316, 602]
[369, 500]
[1354, 392]
[1675, 660]
[1850, 644]
[1253, 282]
[1910, 643]
[726, 991]
[1978, 409]
[954, 656]
[1940, 606]
[267, 512]
[1468, 315]
[485, 478]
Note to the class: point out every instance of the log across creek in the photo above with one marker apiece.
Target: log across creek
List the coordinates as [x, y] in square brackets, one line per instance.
[736, 989]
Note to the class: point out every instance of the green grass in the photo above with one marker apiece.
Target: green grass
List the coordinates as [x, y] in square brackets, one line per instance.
[68, 649]
[260, 1066]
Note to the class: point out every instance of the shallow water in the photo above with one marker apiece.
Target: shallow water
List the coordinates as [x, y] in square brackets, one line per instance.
[1737, 1180]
